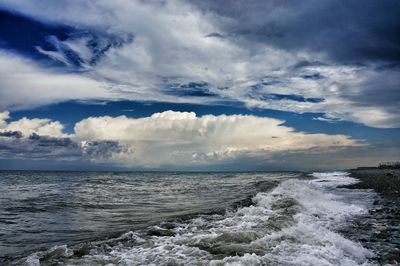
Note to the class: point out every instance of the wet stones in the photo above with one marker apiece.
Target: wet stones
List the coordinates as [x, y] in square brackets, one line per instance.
[82, 249]
[157, 231]
[393, 259]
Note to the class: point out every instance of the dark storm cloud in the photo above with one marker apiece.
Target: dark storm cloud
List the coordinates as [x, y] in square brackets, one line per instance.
[364, 34]
[38, 147]
[382, 88]
[13, 145]
[11, 134]
[103, 149]
[45, 141]
[348, 31]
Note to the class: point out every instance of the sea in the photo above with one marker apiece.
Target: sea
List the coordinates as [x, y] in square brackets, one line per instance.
[182, 218]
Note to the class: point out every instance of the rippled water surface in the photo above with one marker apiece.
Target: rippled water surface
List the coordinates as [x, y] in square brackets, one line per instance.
[81, 218]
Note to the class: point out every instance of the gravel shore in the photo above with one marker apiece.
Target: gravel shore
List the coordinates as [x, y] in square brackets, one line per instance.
[380, 229]
[384, 181]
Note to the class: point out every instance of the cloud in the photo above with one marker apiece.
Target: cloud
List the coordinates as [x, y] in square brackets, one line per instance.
[3, 117]
[346, 31]
[242, 50]
[106, 151]
[182, 138]
[164, 139]
[25, 84]
[35, 139]
[36, 147]
[11, 134]
[352, 93]
[26, 127]
[43, 139]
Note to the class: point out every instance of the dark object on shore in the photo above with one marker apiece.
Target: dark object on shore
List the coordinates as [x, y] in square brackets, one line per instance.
[384, 181]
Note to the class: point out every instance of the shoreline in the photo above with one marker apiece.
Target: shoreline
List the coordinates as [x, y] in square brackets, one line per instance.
[384, 181]
[381, 227]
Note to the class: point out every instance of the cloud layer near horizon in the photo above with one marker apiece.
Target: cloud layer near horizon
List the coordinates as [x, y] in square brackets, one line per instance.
[163, 139]
[333, 58]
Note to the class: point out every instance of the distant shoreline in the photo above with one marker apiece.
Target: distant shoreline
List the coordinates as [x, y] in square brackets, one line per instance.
[383, 181]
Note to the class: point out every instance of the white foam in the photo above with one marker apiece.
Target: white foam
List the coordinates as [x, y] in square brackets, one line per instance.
[57, 251]
[334, 179]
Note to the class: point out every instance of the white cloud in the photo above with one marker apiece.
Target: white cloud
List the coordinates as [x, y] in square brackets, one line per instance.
[350, 93]
[43, 127]
[24, 84]
[182, 138]
[3, 117]
[171, 43]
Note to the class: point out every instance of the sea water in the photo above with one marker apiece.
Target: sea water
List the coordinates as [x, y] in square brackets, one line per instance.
[107, 218]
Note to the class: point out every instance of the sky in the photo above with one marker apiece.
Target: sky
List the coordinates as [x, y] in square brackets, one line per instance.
[199, 85]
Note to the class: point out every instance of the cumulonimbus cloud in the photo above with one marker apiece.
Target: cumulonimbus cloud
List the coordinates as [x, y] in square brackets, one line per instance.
[168, 138]
[183, 138]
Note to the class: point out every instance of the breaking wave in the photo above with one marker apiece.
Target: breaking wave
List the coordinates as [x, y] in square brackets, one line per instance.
[295, 223]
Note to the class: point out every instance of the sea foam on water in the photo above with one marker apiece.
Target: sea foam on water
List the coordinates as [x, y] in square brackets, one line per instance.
[295, 223]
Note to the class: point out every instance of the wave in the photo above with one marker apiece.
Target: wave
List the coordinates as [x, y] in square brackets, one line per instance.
[295, 223]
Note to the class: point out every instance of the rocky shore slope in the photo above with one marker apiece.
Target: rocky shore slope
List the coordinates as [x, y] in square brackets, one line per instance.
[380, 229]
